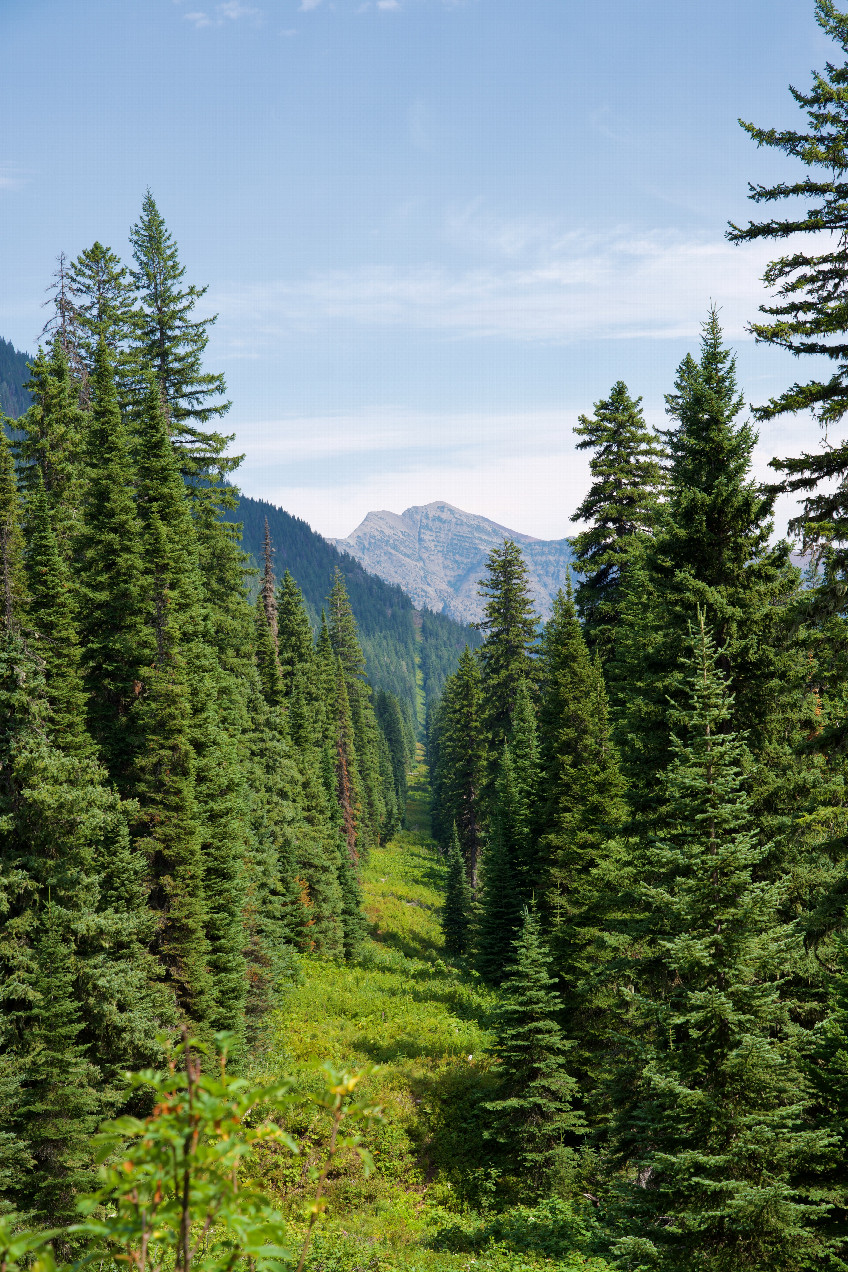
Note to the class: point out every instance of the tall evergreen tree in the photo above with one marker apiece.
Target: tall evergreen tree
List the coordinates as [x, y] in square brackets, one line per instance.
[580, 815]
[709, 1114]
[620, 508]
[295, 642]
[809, 314]
[712, 550]
[116, 640]
[460, 760]
[104, 301]
[51, 612]
[50, 442]
[510, 634]
[500, 900]
[170, 340]
[532, 1116]
[458, 903]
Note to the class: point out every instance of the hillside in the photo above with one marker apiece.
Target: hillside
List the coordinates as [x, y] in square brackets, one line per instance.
[389, 626]
[14, 374]
[432, 1203]
[437, 554]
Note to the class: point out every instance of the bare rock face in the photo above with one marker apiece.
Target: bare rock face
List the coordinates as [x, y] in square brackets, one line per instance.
[437, 554]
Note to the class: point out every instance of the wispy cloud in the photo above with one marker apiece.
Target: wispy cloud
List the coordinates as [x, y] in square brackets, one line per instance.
[12, 177]
[580, 286]
[387, 5]
[520, 468]
[307, 5]
[228, 11]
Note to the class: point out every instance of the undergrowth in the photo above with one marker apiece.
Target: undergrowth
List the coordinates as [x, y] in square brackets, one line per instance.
[420, 1025]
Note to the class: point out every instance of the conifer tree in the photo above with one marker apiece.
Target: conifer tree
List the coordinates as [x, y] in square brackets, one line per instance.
[533, 1116]
[620, 508]
[459, 763]
[104, 300]
[709, 1115]
[170, 340]
[51, 613]
[295, 642]
[116, 640]
[510, 633]
[827, 1070]
[59, 1103]
[11, 541]
[808, 314]
[267, 663]
[388, 712]
[711, 550]
[582, 794]
[50, 442]
[459, 899]
[500, 900]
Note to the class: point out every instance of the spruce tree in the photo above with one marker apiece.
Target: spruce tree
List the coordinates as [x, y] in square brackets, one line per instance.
[11, 541]
[581, 805]
[51, 616]
[458, 903]
[710, 1109]
[460, 761]
[295, 644]
[620, 508]
[510, 635]
[104, 301]
[59, 1104]
[50, 442]
[808, 314]
[168, 339]
[711, 550]
[500, 896]
[532, 1116]
[116, 639]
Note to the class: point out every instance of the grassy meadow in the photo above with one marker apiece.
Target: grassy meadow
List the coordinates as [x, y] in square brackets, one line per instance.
[420, 1028]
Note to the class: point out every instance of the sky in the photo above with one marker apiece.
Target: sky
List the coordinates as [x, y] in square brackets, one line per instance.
[434, 232]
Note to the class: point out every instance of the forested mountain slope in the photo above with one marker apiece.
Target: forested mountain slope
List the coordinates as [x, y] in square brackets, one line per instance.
[437, 554]
[14, 373]
[388, 625]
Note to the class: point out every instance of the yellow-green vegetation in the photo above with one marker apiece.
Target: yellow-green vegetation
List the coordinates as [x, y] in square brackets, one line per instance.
[420, 1026]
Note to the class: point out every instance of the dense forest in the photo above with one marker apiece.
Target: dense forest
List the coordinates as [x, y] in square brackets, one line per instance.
[639, 806]
[14, 373]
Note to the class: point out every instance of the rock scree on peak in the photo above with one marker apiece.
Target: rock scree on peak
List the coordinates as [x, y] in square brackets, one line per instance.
[437, 554]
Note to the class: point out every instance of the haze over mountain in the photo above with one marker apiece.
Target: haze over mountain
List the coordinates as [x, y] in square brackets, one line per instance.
[437, 554]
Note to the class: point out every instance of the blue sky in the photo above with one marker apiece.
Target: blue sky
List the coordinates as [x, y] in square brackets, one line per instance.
[435, 231]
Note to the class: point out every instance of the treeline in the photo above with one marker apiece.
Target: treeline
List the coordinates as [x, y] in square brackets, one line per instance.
[391, 632]
[14, 373]
[188, 781]
[645, 810]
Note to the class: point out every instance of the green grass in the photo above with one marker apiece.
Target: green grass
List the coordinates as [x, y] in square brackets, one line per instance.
[421, 1027]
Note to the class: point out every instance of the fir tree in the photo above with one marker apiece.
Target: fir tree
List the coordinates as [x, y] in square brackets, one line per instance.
[170, 340]
[809, 314]
[104, 300]
[581, 804]
[711, 550]
[114, 634]
[294, 632]
[620, 508]
[500, 898]
[50, 442]
[533, 1116]
[52, 614]
[510, 634]
[59, 1105]
[459, 899]
[458, 766]
[11, 540]
[710, 1118]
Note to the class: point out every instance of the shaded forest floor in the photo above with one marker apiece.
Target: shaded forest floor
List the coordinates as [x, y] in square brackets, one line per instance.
[421, 1027]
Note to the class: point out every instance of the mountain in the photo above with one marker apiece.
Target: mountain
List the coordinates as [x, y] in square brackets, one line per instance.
[391, 628]
[14, 373]
[437, 553]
